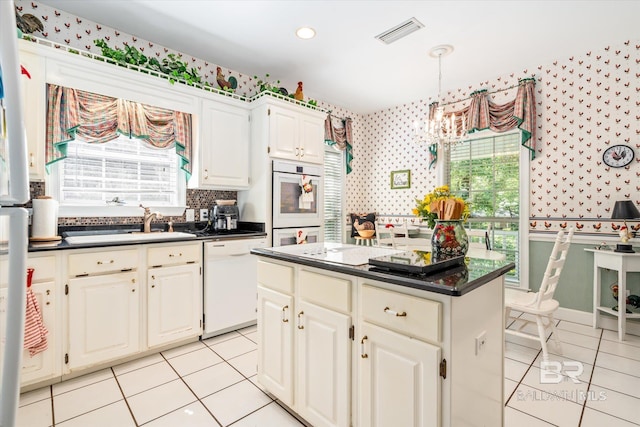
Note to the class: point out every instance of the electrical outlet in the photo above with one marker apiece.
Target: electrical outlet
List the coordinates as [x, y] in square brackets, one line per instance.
[481, 340]
[204, 214]
[191, 215]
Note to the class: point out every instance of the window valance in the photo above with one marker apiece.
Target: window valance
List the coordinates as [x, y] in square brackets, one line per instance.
[338, 134]
[98, 119]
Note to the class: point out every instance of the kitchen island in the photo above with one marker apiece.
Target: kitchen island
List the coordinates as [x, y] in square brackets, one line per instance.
[343, 342]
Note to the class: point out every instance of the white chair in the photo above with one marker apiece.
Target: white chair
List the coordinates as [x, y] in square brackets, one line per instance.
[541, 304]
[399, 239]
[478, 245]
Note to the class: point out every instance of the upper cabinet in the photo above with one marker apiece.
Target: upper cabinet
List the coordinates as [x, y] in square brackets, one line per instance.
[34, 104]
[289, 131]
[224, 146]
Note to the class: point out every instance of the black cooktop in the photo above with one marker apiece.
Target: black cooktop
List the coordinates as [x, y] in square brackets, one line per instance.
[415, 262]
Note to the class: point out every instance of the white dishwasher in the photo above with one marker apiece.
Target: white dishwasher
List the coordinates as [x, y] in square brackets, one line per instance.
[230, 285]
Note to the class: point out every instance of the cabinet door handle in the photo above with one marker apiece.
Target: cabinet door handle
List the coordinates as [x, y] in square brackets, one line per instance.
[362, 353]
[395, 313]
[297, 151]
[206, 174]
[301, 151]
[31, 162]
[133, 280]
[300, 325]
[284, 309]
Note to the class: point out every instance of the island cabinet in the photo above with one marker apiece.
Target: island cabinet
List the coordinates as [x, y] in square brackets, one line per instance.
[289, 131]
[224, 146]
[305, 330]
[342, 346]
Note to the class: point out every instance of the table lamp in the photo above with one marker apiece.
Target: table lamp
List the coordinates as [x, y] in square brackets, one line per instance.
[625, 209]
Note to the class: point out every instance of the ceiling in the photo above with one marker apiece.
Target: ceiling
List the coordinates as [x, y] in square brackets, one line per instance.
[345, 65]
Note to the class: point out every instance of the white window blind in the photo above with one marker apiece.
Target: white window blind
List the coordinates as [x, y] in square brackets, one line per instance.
[127, 169]
[485, 172]
[333, 194]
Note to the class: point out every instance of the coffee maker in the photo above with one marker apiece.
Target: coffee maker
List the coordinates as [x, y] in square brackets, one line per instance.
[225, 217]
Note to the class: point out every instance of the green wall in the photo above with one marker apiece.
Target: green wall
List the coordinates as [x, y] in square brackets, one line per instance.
[575, 288]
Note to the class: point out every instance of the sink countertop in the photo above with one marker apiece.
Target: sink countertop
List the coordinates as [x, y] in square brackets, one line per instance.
[454, 281]
[250, 230]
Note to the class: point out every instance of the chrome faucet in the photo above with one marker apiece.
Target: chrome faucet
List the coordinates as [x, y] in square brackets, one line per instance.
[148, 216]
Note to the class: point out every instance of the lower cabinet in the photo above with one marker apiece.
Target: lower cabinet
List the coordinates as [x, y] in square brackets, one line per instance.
[399, 379]
[43, 365]
[174, 304]
[305, 356]
[275, 333]
[323, 377]
[103, 316]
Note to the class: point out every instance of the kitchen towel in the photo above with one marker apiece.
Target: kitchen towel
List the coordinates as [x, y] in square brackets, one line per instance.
[35, 333]
[44, 223]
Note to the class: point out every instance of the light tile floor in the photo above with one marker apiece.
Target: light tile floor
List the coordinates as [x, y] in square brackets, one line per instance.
[213, 383]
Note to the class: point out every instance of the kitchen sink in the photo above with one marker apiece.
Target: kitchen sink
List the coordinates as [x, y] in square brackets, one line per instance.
[135, 236]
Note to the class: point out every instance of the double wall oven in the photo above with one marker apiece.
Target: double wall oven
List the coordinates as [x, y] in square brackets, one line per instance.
[298, 208]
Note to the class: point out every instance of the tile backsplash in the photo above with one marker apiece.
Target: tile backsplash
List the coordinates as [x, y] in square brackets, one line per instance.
[196, 199]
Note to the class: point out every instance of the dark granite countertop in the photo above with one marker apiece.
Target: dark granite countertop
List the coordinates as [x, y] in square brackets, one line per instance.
[245, 230]
[454, 281]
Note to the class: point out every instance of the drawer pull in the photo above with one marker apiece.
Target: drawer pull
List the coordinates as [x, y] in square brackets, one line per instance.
[300, 325]
[395, 313]
[362, 353]
[100, 262]
[284, 309]
[172, 255]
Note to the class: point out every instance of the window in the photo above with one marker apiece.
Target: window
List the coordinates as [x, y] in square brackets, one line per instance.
[121, 173]
[333, 194]
[486, 172]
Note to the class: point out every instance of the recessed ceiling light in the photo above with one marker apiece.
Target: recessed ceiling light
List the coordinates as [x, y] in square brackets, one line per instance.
[306, 33]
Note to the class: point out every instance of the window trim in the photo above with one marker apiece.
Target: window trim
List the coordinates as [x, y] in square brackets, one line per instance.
[524, 180]
[52, 188]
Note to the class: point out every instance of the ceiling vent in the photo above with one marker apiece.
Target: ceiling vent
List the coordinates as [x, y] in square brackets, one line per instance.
[400, 31]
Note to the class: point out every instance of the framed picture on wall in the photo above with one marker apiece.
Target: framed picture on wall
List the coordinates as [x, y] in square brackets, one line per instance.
[400, 179]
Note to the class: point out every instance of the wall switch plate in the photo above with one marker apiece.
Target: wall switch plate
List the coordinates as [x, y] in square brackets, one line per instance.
[190, 214]
[481, 340]
[204, 214]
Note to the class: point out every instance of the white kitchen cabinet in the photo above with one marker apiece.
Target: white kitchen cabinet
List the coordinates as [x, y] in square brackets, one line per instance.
[224, 146]
[103, 315]
[304, 329]
[174, 303]
[44, 365]
[399, 381]
[288, 131]
[323, 377]
[34, 103]
[275, 333]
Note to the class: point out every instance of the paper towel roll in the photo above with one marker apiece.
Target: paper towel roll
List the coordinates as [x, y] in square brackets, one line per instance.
[44, 223]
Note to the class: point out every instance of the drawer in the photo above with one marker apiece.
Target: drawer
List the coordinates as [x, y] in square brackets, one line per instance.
[44, 269]
[275, 276]
[102, 262]
[179, 254]
[327, 291]
[409, 315]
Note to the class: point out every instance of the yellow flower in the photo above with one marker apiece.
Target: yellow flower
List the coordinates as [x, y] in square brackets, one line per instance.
[423, 207]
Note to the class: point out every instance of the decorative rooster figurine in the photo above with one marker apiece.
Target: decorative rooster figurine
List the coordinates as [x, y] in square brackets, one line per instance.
[229, 85]
[299, 95]
[633, 300]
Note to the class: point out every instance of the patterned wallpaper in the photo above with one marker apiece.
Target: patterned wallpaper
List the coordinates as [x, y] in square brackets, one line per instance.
[585, 103]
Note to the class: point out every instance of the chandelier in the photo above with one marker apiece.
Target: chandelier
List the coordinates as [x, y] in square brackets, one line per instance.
[440, 129]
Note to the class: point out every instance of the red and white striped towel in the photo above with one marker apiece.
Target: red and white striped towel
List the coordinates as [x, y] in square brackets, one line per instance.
[35, 333]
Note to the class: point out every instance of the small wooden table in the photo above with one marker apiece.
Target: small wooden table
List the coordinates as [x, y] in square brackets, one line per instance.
[623, 263]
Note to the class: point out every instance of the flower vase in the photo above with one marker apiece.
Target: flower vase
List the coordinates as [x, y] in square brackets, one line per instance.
[449, 239]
